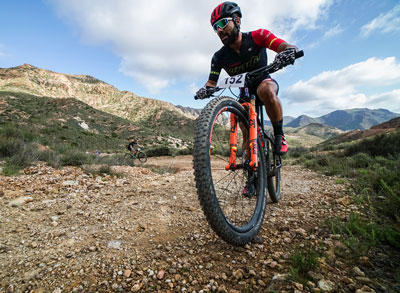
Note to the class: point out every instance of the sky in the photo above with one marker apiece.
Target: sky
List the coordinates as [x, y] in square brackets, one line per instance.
[162, 49]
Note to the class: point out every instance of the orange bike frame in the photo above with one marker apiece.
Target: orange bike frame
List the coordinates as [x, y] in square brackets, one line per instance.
[252, 138]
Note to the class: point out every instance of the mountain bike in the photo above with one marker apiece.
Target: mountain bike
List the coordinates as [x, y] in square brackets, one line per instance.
[139, 155]
[226, 129]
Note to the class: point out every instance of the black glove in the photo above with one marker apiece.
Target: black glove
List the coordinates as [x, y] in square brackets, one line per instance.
[201, 94]
[286, 57]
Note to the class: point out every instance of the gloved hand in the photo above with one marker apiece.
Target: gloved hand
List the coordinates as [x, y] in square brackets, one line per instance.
[201, 94]
[286, 57]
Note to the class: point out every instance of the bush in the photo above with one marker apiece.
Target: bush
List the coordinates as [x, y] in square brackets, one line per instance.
[159, 151]
[298, 151]
[24, 156]
[381, 145]
[50, 157]
[75, 158]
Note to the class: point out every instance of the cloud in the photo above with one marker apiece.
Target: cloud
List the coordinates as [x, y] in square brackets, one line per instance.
[163, 42]
[345, 88]
[385, 22]
[333, 31]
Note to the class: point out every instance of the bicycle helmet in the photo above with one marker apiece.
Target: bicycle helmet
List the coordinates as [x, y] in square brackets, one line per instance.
[225, 9]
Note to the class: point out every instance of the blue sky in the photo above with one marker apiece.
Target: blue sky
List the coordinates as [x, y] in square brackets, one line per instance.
[162, 49]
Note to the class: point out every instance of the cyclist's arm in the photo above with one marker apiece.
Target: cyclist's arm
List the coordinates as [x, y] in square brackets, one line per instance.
[214, 72]
[211, 83]
[265, 38]
[283, 46]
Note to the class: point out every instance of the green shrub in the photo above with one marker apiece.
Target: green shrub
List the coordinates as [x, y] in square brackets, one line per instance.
[159, 151]
[380, 145]
[298, 151]
[75, 158]
[302, 261]
[22, 157]
[50, 157]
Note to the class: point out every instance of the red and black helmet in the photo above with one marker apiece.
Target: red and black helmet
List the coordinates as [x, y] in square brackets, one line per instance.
[225, 9]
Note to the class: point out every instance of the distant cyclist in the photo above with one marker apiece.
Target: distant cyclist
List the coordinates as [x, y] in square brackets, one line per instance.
[133, 145]
[244, 52]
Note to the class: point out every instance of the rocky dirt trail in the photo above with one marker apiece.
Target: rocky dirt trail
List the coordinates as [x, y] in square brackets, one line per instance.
[70, 231]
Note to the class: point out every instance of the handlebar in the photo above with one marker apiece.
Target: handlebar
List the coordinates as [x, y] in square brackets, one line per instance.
[268, 69]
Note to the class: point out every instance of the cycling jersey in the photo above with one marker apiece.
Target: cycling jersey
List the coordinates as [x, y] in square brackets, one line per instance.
[132, 145]
[252, 55]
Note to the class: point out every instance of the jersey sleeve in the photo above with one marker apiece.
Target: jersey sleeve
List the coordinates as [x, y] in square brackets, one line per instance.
[215, 69]
[266, 39]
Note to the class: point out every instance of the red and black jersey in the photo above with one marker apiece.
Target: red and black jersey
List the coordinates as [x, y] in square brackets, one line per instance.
[252, 55]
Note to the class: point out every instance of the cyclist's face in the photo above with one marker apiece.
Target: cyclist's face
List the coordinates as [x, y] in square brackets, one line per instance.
[228, 34]
[224, 33]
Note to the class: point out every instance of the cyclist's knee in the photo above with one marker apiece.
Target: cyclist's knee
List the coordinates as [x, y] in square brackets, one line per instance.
[266, 91]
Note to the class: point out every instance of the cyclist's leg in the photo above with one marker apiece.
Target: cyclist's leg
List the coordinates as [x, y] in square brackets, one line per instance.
[267, 92]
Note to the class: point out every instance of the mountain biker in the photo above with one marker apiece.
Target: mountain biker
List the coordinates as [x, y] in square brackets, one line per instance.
[244, 52]
[133, 145]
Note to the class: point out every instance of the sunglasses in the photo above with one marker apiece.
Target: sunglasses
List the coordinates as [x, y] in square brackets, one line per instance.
[222, 23]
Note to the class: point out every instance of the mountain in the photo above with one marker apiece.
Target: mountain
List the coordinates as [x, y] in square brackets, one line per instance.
[189, 112]
[286, 120]
[358, 118]
[319, 130]
[156, 120]
[386, 127]
[302, 121]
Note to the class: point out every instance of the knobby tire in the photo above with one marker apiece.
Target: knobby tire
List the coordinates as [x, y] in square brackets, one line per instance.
[217, 188]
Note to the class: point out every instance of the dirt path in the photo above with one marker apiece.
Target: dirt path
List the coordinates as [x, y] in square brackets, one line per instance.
[146, 232]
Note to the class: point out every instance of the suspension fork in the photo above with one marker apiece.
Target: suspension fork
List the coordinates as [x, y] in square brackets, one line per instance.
[233, 143]
[252, 138]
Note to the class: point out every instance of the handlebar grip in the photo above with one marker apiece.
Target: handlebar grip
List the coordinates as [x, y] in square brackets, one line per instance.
[299, 54]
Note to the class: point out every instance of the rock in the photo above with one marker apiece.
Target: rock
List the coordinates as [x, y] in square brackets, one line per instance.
[298, 286]
[160, 274]
[257, 240]
[364, 280]
[261, 283]
[238, 274]
[358, 272]
[315, 276]
[20, 201]
[345, 201]
[326, 285]
[365, 289]
[127, 273]
[279, 277]
[115, 244]
[70, 183]
[347, 280]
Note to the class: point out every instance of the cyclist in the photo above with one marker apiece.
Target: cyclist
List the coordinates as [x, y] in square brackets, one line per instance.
[244, 52]
[133, 145]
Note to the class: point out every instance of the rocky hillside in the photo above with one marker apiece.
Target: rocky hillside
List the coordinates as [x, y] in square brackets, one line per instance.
[319, 130]
[143, 112]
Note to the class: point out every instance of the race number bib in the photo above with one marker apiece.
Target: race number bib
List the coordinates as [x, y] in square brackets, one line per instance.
[233, 81]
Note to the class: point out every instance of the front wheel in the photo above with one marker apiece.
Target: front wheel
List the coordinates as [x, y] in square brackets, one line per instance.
[142, 157]
[235, 217]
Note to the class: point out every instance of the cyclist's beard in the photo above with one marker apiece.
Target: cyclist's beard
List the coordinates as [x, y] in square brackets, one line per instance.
[231, 37]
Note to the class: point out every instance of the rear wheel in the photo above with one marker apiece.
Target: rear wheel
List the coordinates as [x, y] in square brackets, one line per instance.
[234, 217]
[129, 158]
